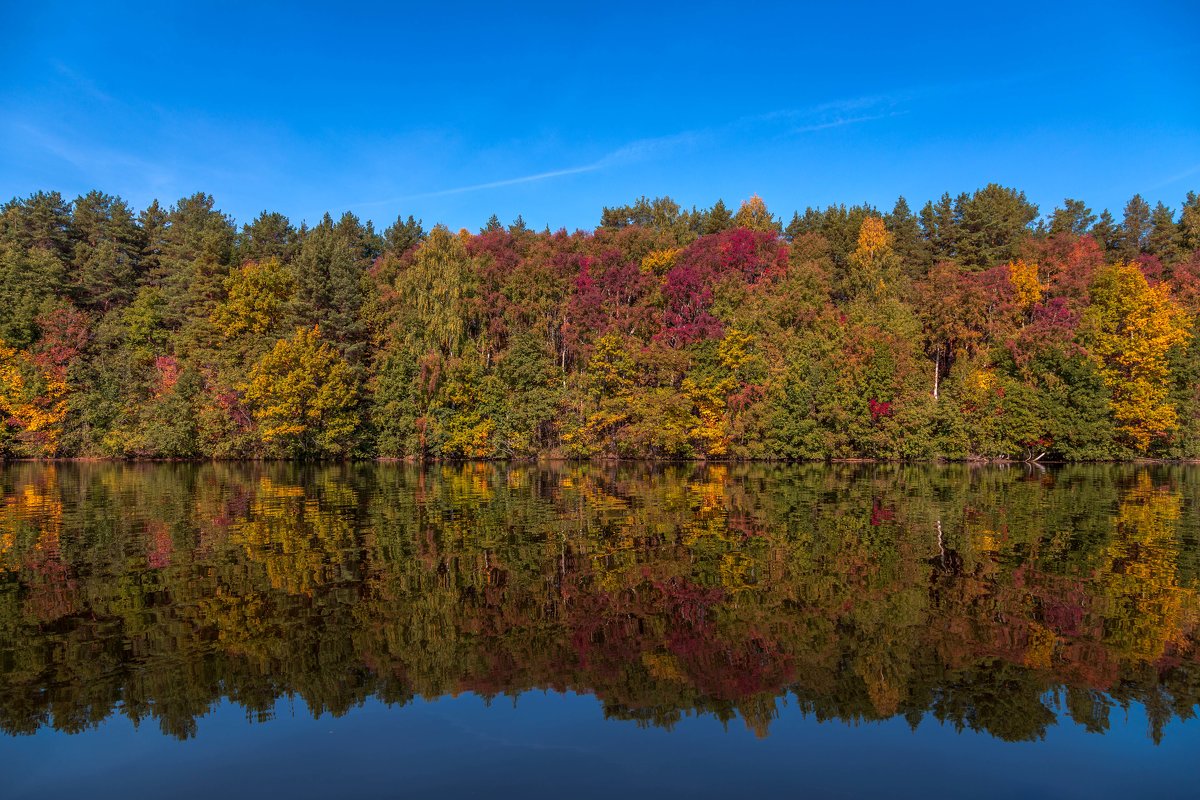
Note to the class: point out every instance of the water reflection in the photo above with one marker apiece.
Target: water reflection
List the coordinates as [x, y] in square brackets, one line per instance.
[992, 599]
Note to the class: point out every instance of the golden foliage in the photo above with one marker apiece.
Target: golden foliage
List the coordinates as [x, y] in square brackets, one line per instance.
[258, 294]
[1023, 276]
[303, 394]
[33, 399]
[1134, 326]
[873, 237]
[753, 214]
[659, 262]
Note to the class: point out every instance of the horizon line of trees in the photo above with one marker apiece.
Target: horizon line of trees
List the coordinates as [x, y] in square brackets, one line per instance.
[972, 328]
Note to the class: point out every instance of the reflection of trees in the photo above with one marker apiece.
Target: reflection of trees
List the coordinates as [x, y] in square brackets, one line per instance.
[991, 599]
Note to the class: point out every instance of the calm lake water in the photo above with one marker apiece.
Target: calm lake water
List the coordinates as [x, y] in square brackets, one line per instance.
[575, 631]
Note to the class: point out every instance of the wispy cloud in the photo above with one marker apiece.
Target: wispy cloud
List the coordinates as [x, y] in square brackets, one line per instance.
[843, 121]
[633, 152]
[93, 164]
[781, 122]
[1187, 173]
[475, 187]
[823, 116]
[85, 85]
[84, 156]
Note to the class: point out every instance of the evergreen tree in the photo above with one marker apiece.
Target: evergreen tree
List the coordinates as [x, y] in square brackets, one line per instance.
[331, 289]
[196, 254]
[403, 235]
[1106, 232]
[1074, 218]
[1135, 227]
[41, 221]
[992, 225]
[270, 235]
[716, 219]
[107, 253]
[911, 247]
[939, 226]
[1163, 239]
[1189, 224]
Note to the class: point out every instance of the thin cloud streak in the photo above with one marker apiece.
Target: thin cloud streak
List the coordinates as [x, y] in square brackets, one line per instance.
[838, 123]
[87, 158]
[635, 151]
[643, 149]
[541, 176]
[1187, 173]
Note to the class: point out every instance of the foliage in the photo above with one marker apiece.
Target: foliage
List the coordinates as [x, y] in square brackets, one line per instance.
[303, 397]
[1134, 327]
[969, 329]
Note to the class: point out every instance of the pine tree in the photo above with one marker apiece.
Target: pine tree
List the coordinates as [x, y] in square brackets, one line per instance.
[1189, 224]
[992, 225]
[107, 253]
[1074, 218]
[716, 219]
[270, 235]
[196, 254]
[41, 221]
[1163, 239]
[1135, 227]
[939, 226]
[331, 289]
[1106, 232]
[403, 235]
[910, 246]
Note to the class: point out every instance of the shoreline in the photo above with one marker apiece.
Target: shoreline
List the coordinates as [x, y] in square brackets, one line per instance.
[609, 461]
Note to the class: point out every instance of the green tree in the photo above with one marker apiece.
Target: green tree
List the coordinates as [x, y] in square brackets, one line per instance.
[993, 223]
[1074, 218]
[716, 219]
[270, 235]
[304, 398]
[331, 284]
[107, 252]
[1189, 224]
[1163, 239]
[437, 291]
[1135, 228]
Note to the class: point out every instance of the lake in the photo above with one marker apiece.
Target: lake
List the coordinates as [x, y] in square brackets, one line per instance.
[581, 630]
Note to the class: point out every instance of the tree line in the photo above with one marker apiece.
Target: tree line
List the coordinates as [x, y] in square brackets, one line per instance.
[972, 328]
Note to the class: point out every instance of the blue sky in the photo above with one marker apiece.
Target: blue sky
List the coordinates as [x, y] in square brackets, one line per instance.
[553, 111]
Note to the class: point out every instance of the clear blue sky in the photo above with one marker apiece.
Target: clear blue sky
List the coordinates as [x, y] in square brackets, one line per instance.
[556, 110]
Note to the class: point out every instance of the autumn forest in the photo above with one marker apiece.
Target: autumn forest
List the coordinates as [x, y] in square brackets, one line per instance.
[972, 327]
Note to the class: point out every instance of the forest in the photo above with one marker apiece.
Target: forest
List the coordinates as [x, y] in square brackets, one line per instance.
[975, 327]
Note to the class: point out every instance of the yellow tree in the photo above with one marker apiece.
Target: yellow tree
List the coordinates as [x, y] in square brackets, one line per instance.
[303, 396]
[1023, 276]
[754, 215]
[257, 298]
[33, 400]
[1133, 326]
[874, 264]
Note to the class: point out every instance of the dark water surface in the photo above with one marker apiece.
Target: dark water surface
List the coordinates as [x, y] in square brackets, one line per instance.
[579, 631]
